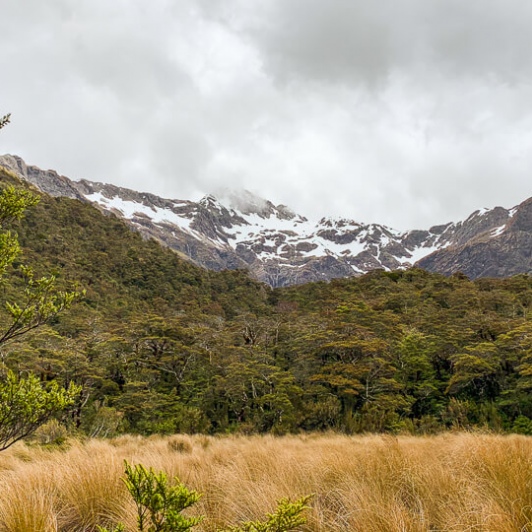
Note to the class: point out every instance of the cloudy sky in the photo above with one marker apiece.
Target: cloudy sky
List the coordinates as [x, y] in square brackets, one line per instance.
[403, 112]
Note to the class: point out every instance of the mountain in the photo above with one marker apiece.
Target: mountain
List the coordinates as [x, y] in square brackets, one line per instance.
[160, 345]
[237, 230]
[120, 271]
[494, 243]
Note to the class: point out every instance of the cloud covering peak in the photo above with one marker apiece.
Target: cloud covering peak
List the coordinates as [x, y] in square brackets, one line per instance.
[400, 112]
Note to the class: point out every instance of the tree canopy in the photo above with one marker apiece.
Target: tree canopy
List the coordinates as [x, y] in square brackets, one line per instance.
[158, 344]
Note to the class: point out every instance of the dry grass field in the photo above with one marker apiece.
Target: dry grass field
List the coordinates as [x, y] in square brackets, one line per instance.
[455, 482]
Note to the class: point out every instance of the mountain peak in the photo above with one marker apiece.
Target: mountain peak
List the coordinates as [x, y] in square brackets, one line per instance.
[211, 202]
[248, 203]
[238, 229]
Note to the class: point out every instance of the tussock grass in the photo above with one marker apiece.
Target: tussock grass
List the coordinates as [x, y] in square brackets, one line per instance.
[450, 482]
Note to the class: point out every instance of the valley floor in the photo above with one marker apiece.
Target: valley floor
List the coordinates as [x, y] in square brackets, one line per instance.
[450, 482]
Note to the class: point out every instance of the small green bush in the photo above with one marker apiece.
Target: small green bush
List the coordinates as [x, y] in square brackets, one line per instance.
[160, 503]
[51, 434]
[522, 425]
[286, 517]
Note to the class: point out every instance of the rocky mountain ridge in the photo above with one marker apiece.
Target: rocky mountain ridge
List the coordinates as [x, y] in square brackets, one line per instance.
[280, 247]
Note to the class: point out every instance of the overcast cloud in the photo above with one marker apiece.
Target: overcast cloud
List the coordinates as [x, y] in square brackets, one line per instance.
[405, 112]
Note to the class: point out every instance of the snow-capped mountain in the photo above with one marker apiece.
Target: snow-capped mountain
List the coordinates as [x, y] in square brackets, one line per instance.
[280, 247]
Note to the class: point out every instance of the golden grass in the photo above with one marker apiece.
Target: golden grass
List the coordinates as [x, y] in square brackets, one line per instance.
[451, 482]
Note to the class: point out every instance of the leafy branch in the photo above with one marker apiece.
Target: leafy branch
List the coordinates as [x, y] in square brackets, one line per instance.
[288, 516]
[5, 120]
[25, 404]
[42, 302]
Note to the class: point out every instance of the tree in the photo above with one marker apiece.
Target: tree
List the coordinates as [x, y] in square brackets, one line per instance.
[25, 403]
[41, 300]
[476, 371]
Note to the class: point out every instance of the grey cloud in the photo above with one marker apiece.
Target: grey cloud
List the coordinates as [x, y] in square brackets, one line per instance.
[355, 41]
[409, 113]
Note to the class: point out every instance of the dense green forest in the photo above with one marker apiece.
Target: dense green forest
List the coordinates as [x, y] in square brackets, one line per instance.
[159, 345]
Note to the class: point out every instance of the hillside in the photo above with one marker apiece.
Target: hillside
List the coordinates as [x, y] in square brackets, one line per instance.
[162, 345]
[118, 268]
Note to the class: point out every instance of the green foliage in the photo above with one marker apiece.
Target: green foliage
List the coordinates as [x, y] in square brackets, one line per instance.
[9, 251]
[159, 501]
[288, 516]
[25, 404]
[51, 434]
[118, 528]
[522, 425]
[40, 303]
[159, 345]
[13, 204]
[40, 300]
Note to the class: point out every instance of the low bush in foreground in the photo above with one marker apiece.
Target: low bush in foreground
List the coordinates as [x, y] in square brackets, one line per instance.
[374, 483]
[160, 504]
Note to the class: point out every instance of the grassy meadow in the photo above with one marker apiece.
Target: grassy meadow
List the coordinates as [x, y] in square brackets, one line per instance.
[457, 482]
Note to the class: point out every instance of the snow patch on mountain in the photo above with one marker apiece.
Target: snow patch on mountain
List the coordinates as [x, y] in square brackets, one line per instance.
[498, 230]
[238, 229]
[420, 252]
[131, 209]
[243, 221]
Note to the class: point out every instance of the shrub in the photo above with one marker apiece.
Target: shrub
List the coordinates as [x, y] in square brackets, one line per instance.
[52, 433]
[286, 517]
[160, 503]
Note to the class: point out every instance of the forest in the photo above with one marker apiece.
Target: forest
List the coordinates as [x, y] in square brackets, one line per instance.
[157, 345]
